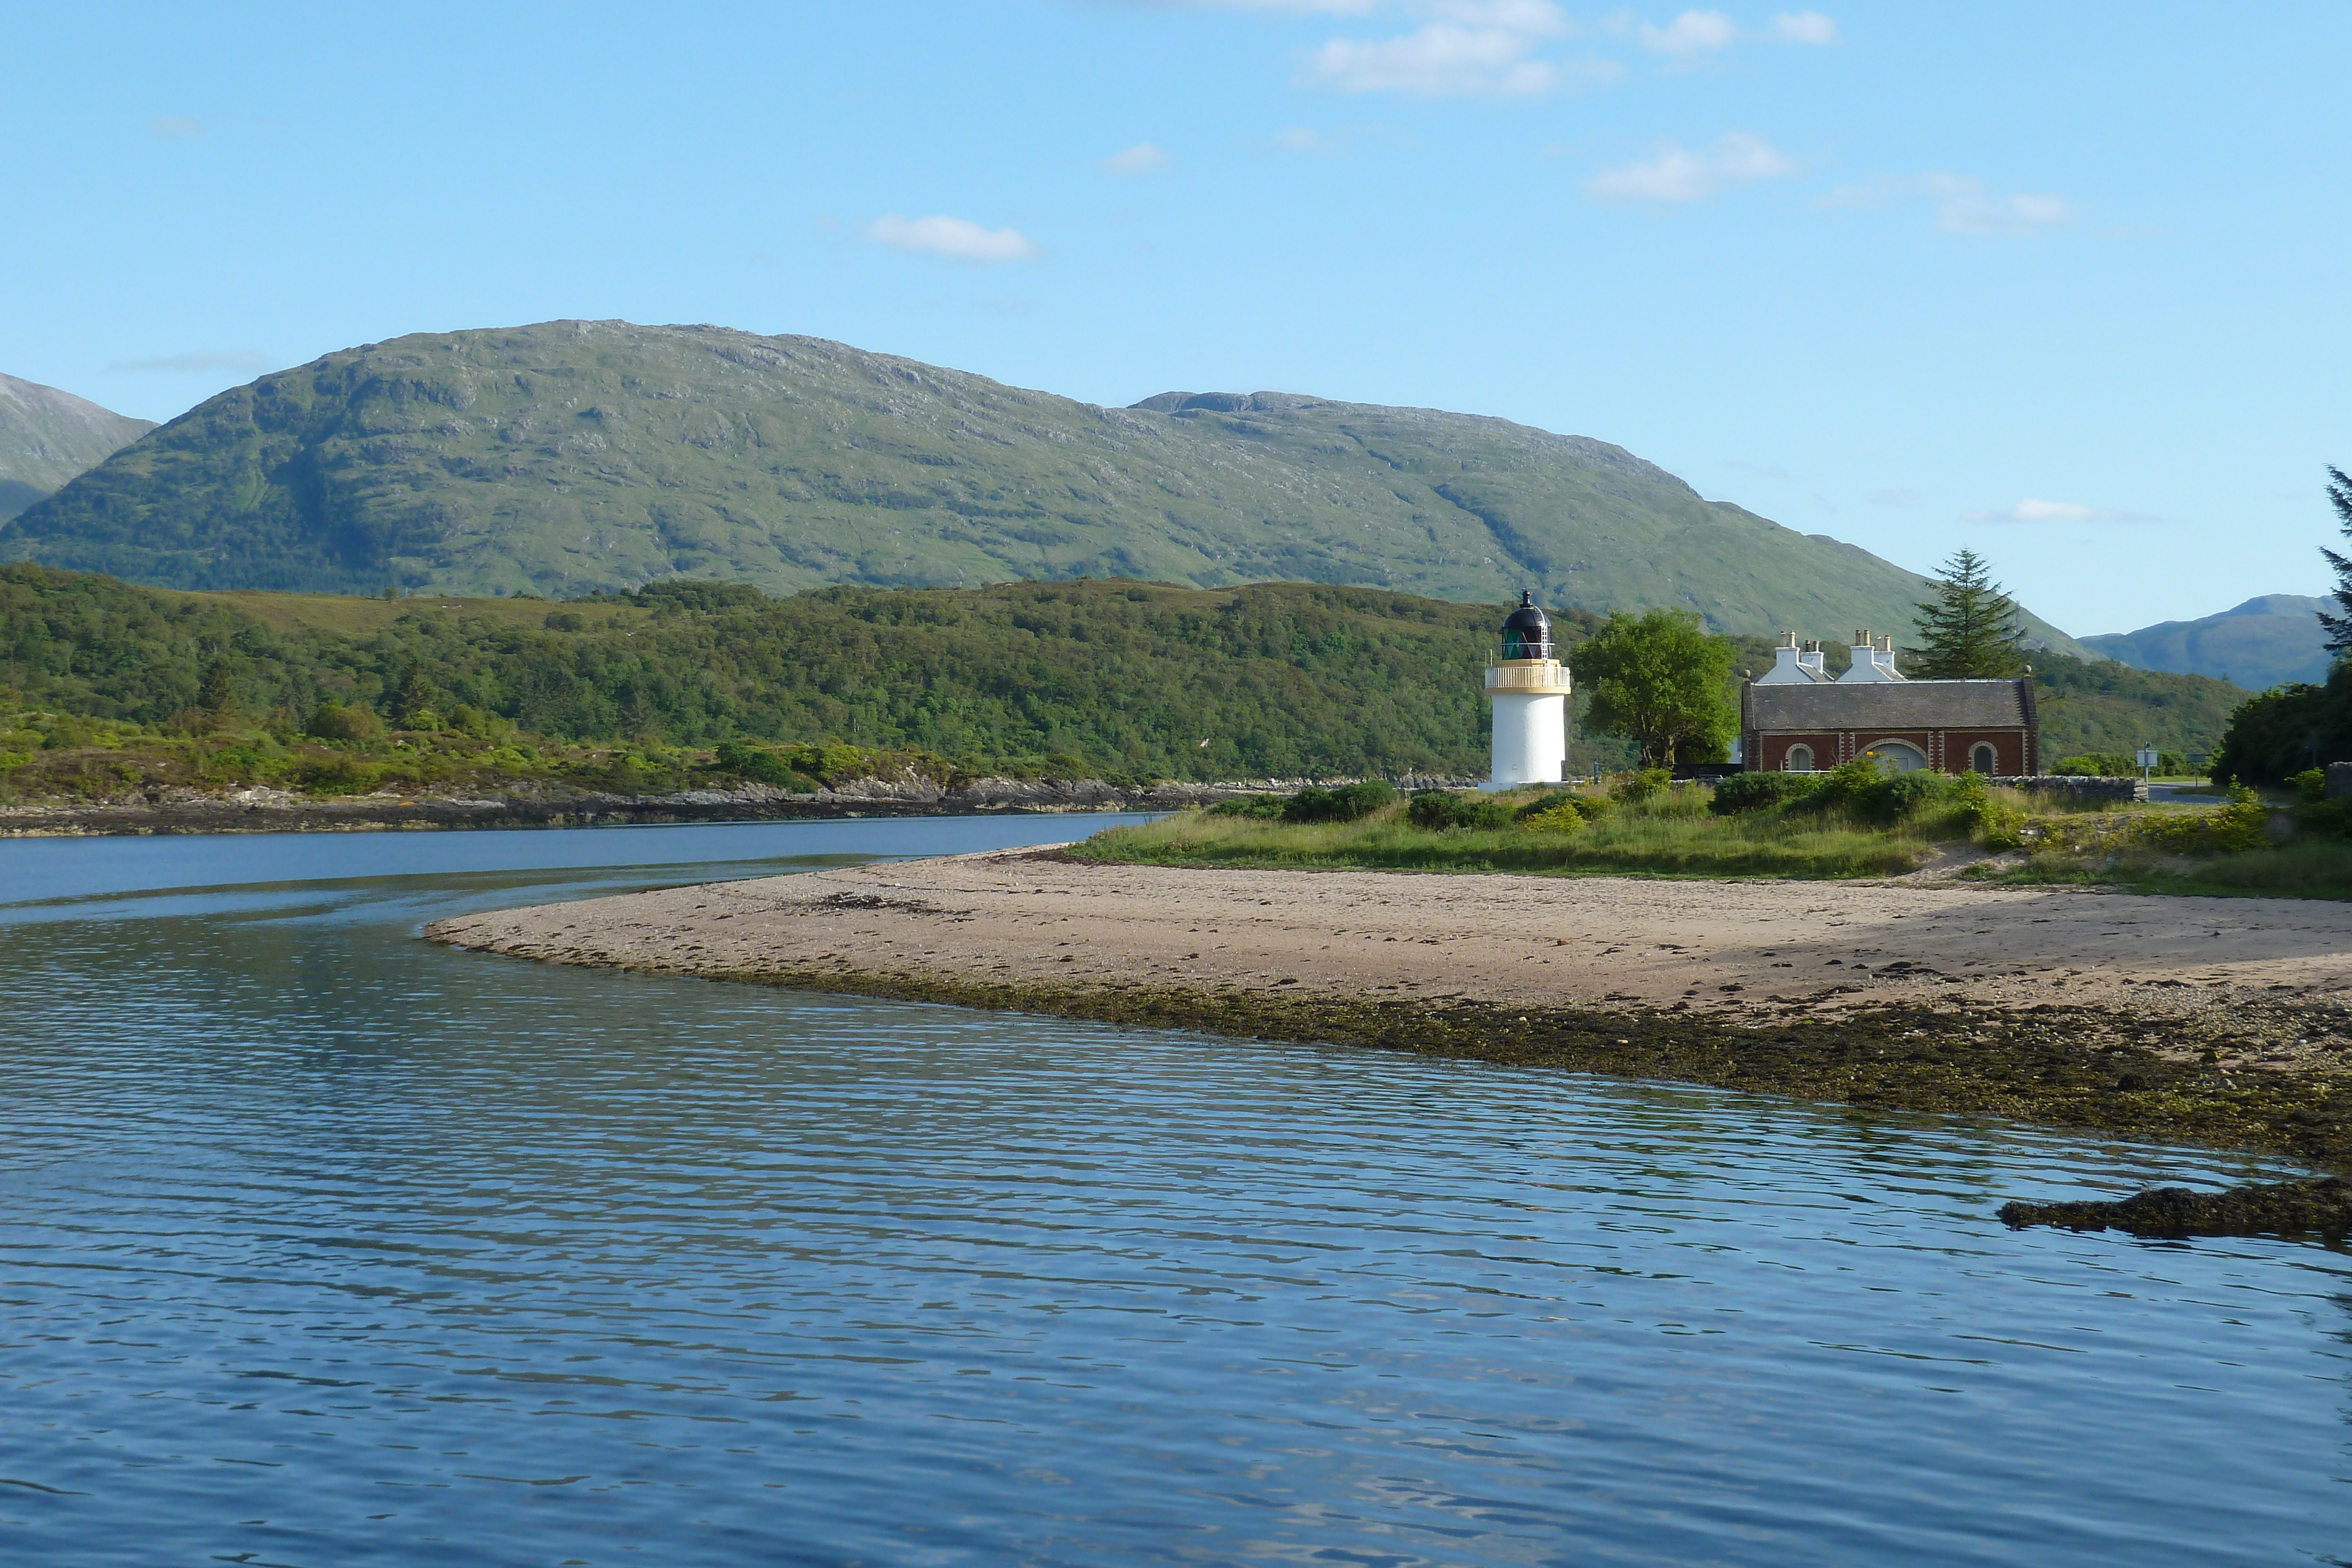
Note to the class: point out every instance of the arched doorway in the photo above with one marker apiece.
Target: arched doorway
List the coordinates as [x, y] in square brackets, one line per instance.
[1799, 760]
[1982, 757]
[1895, 755]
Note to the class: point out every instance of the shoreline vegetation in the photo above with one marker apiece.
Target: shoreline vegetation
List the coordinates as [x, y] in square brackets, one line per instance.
[1851, 823]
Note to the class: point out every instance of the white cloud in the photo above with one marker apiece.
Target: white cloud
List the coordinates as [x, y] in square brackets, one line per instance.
[1804, 28]
[1679, 174]
[1692, 33]
[960, 238]
[1964, 206]
[1696, 32]
[1473, 48]
[175, 126]
[1142, 158]
[179, 365]
[2030, 510]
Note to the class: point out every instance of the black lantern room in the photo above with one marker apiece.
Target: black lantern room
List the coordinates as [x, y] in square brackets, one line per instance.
[1527, 634]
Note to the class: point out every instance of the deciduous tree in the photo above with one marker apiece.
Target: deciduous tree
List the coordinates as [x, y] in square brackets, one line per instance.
[1660, 679]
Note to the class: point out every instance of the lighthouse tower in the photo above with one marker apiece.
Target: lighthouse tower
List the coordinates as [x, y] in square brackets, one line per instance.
[1529, 690]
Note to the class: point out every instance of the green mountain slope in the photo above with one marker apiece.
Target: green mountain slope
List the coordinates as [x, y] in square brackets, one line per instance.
[48, 436]
[579, 455]
[2266, 641]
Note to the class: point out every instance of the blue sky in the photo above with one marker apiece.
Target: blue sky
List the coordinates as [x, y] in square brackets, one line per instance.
[2067, 284]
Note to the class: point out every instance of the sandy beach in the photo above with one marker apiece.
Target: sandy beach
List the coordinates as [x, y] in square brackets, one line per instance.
[2263, 979]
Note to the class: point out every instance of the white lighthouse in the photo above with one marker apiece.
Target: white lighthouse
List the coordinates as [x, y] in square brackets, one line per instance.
[1529, 690]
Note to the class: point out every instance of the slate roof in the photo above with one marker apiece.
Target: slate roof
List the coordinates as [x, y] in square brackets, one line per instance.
[1891, 705]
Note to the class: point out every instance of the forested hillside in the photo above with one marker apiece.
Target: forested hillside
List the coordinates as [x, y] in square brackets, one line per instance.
[1274, 679]
[1095, 676]
[574, 457]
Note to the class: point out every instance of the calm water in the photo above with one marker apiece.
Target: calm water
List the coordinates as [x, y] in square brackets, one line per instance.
[320, 1246]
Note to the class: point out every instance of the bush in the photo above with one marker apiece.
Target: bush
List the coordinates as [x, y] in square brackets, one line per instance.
[1438, 810]
[1559, 817]
[2310, 786]
[1632, 788]
[757, 764]
[351, 722]
[2233, 827]
[1349, 803]
[1759, 791]
[1260, 808]
[333, 775]
[2117, 765]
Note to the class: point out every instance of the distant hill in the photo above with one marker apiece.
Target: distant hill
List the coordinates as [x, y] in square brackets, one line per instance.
[47, 437]
[2260, 643]
[575, 456]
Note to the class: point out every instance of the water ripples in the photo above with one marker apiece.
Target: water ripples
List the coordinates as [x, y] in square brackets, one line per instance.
[322, 1246]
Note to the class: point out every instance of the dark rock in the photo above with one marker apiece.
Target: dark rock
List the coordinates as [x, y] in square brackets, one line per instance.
[2321, 1207]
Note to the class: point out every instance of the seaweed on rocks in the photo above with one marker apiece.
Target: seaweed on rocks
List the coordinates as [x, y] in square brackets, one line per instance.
[2029, 1066]
[2321, 1207]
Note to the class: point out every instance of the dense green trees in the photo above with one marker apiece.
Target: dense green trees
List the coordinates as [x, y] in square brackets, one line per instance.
[1277, 679]
[1660, 680]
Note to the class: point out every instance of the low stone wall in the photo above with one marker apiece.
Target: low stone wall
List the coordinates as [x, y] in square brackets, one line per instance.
[2068, 787]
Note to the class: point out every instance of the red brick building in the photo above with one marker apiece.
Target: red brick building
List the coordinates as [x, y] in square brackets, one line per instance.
[1952, 727]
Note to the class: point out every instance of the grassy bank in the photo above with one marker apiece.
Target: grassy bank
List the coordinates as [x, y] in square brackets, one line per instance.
[1673, 837]
[1845, 824]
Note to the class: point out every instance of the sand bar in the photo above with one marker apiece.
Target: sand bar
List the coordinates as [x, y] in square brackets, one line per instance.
[1740, 951]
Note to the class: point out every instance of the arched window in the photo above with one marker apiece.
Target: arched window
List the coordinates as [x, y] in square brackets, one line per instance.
[1981, 757]
[1896, 756]
[1799, 760]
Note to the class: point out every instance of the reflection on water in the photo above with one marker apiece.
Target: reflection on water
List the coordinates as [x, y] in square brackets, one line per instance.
[321, 1246]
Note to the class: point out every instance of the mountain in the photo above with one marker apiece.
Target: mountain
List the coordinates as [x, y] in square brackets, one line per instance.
[2263, 643]
[574, 457]
[48, 436]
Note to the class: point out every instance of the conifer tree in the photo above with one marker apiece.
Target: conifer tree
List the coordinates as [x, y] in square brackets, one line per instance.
[219, 692]
[412, 700]
[2339, 627]
[1969, 632]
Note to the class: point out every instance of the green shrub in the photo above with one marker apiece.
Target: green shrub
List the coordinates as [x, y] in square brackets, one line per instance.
[2310, 786]
[1549, 800]
[351, 722]
[1348, 803]
[1259, 808]
[2228, 829]
[1844, 784]
[758, 764]
[1759, 791]
[1557, 815]
[1438, 810]
[334, 776]
[1632, 788]
[2116, 764]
